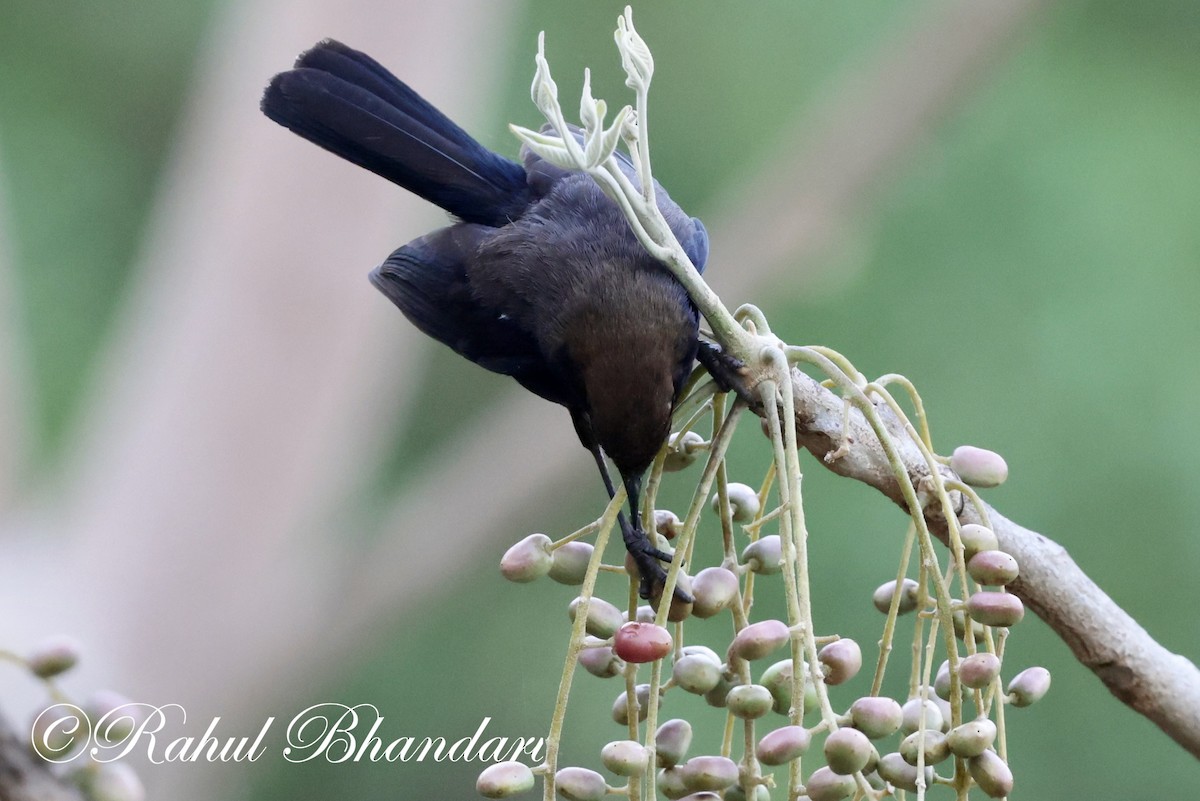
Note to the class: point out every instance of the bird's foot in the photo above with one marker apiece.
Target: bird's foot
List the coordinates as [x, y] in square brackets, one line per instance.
[649, 562]
[728, 373]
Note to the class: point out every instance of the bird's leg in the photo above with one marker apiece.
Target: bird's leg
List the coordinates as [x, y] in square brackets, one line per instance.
[649, 559]
[612, 490]
[644, 554]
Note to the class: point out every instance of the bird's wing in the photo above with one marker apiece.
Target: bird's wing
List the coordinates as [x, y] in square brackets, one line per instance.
[427, 280]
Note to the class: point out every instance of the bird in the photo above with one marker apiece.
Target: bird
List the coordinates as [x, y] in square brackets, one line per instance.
[538, 276]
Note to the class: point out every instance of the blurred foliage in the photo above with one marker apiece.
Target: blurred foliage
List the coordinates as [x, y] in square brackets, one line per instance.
[1032, 267]
[89, 97]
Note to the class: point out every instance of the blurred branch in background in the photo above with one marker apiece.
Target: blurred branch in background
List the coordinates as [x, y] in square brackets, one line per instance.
[15, 420]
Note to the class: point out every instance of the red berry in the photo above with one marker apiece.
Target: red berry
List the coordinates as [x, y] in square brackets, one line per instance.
[642, 642]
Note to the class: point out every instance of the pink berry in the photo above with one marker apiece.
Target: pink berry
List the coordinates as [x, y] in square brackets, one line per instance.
[759, 639]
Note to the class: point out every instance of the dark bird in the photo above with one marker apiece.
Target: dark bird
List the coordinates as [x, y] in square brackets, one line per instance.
[540, 277]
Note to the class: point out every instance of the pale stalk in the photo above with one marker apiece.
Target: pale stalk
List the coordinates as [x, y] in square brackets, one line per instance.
[607, 521]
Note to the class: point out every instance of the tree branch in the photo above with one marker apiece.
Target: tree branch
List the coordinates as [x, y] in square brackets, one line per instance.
[1141, 673]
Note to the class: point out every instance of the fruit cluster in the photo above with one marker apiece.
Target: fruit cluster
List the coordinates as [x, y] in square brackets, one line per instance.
[947, 730]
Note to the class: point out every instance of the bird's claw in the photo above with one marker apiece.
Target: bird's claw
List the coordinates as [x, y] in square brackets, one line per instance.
[727, 372]
[649, 564]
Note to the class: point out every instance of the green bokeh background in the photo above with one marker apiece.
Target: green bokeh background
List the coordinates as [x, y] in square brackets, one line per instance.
[1034, 266]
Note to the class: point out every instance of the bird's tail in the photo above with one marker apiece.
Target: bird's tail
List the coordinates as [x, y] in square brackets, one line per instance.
[349, 104]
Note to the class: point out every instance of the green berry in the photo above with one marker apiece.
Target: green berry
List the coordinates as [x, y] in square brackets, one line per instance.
[682, 451]
[625, 757]
[709, 773]
[601, 661]
[620, 710]
[749, 701]
[825, 785]
[976, 538]
[743, 502]
[931, 741]
[892, 768]
[680, 610]
[714, 589]
[847, 751]
[991, 774]
[1029, 686]
[667, 523]
[911, 712]
[696, 673]
[941, 683]
[876, 717]
[569, 562]
[882, 597]
[504, 779]
[670, 783]
[764, 556]
[53, 657]
[580, 784]
[971, 738]
[603, 619]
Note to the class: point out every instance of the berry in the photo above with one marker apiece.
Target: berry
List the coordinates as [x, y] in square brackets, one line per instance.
[764, 556]
[979, 467]
[993, 568]
[979, 670]
[1029, 686]
[671, 742]
[842, 660]
[569, 562]
[625, 757]
[996, 608]
[580, 784]
[847, 751]
[759, 639]
[714, 589]
[642, 642]
[875, 716]
[709, 773]
[743, 502]
[783, 745]
[882, 597]
[749, 701]
[53, 657]
[971, 738]
[504, 779]
[991, 774]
